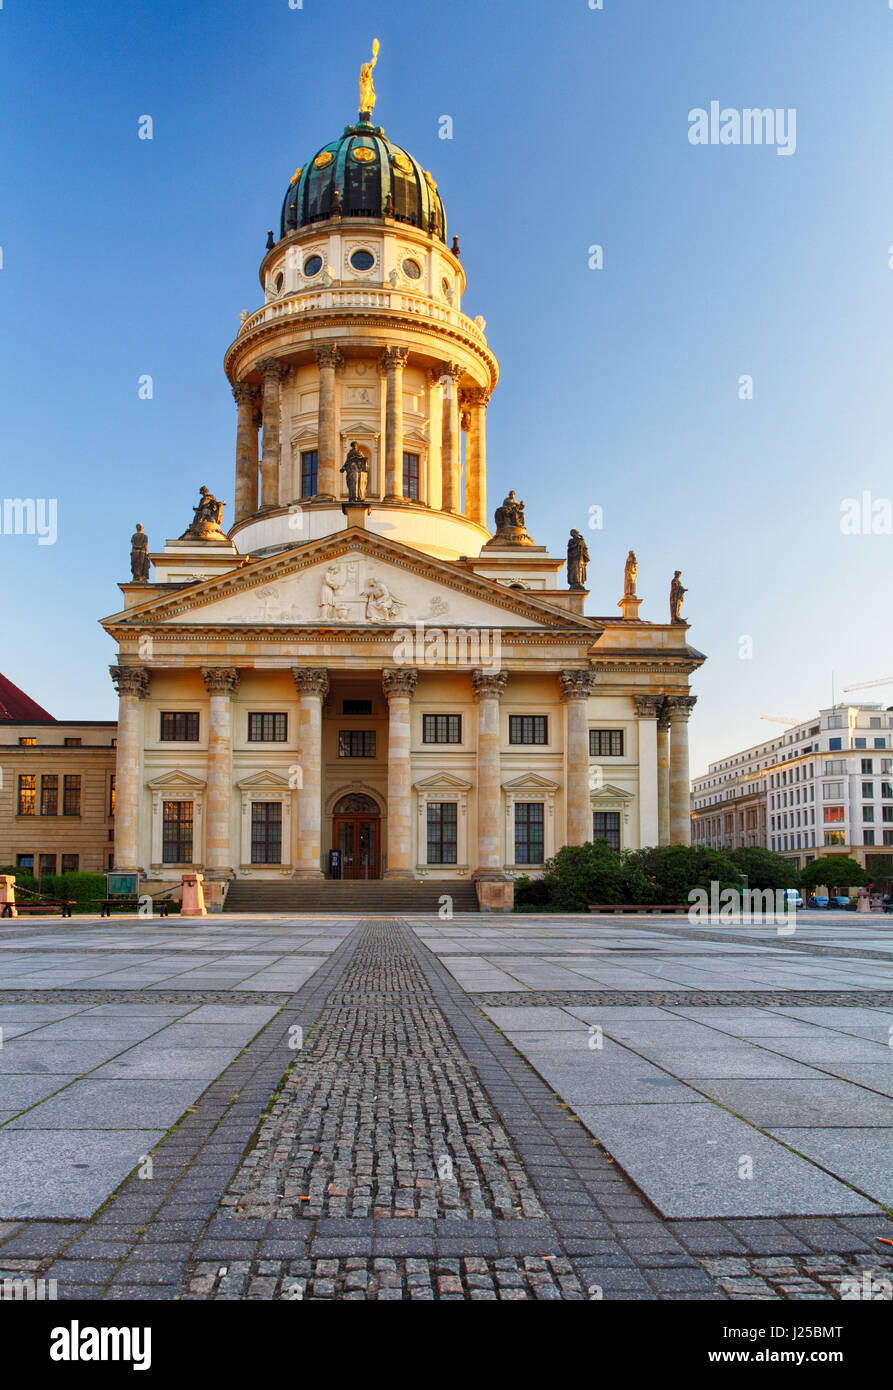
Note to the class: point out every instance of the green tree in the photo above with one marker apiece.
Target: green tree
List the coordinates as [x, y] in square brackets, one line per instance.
[583, 874]
[834, 871]
[765, 869]
[674, 870]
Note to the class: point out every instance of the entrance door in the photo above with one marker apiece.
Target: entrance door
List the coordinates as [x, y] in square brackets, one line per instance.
[356, 832]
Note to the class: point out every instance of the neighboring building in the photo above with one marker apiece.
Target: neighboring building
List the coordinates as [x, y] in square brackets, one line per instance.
[381, 676]
[823, 787]
[57, 788]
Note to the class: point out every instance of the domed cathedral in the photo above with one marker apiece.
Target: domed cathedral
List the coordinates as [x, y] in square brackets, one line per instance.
[359, 680]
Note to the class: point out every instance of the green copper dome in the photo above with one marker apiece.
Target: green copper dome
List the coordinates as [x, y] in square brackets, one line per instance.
[363, 175]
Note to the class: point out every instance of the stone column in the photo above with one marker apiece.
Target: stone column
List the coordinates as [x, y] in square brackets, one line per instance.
[132, 685]
[476, 402]
[488, 687]
[221, 682]
[313, 686]
[398, 683]
[663, 774]
[328, 359]
[576, 687]
[451, 493]
[647, 709]
[246, 451]
[273, 372]
[393, 360]
[681, 707]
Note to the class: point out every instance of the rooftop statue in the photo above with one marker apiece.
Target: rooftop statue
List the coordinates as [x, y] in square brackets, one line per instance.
[677, 593]
[206, 519]
[577, 560]
[510, 524]
[139, 556]
[367, 89]
[630, 572]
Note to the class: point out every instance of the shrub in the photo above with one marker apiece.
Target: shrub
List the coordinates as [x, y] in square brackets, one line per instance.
[834, 871]
[674, 870]
[583, 874]
[765, 869]
[531, 892]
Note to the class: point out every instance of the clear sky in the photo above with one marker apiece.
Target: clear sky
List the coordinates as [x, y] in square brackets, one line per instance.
[620, 386]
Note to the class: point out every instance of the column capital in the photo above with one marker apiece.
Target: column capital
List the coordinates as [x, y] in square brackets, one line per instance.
[488, 683]
[328, 356]
[648, 706]
[273, 367]
[221, 679]
[455, 370]
[244, 393]
[576, 685]
[394, 357]
[475, 396]
[311, 680]
[399, 680]
[679, 707]
[131, 680]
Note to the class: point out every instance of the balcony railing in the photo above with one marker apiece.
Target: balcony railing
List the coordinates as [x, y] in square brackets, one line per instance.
[294, 306]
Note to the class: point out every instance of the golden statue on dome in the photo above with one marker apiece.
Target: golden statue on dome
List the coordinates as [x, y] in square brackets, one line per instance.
[367, 89]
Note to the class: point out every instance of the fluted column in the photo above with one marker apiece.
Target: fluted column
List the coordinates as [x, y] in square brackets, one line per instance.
[273, 372]
[576, 687]
[488, 687]
[475, 402]
[663, 775]
[648, 708]
[313, 686]
[681, 707]
[246, 451]
[132, 685]
[328, 360]
[451, 437]
[221, 682]
[393, 361]
[398, 683]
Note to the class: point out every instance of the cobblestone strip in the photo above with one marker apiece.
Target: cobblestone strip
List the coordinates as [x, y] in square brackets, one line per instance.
[138, 1242]
[783, 943]
[760, 998]
[145, 996]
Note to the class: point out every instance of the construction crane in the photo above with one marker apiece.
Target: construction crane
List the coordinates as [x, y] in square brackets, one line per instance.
[863, 685]
[780, 719]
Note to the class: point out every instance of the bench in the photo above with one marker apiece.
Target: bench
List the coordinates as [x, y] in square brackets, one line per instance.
[131, 904]
[658, 908]
[41, 909]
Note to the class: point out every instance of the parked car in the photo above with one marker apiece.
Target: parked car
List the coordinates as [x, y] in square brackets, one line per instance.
[821, 900]
[792, 897]
[840, 902]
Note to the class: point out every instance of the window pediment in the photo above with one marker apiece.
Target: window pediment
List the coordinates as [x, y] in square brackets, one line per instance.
[176, 781]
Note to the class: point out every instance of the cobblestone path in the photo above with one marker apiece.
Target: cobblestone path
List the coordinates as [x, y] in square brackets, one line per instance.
[380, 1139]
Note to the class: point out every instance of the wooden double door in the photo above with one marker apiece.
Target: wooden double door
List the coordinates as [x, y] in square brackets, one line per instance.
[356, 834]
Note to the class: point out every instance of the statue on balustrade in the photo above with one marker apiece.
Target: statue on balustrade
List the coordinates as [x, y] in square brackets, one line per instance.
[577, 560]
[206, 519]
[139, 556]
[357, 471]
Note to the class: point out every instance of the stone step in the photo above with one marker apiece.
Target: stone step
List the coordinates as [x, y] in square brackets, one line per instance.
[350, 895]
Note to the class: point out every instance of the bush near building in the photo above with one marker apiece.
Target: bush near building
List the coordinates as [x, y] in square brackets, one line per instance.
[765, 869]
[833, 871]
[595, 873]
[81, 888]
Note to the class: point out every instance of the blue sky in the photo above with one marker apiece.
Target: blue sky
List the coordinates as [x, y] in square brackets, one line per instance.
[620, 386]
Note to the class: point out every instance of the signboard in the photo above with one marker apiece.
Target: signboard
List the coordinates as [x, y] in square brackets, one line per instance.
[122, 885]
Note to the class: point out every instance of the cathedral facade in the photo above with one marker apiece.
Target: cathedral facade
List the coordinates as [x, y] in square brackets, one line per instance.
[358, 665]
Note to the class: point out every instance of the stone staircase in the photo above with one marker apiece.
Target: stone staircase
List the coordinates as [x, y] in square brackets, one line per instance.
[353, 897]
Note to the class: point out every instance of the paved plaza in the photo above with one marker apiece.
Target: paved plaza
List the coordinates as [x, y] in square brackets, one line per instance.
[523, 1107]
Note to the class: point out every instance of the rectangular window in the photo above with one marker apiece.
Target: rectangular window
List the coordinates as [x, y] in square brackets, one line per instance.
[411, 476]
[835, 721]
[835, 744]
[868, 813]
[606, 743]
[875, 722]
[266, 832]
[887, 813]
[834, 767]
[887, 791]
[73, 742]
[879, 743]
[27, 742]
[26, 862]
[71, 795]
[360, 707]
[443, 832]
[27, 794]
[528, 728]
[70, 863]
[888, 837]
[833, 813]
[606, 826]
[179, 726]
[267, 728]
[529, 822]
[867, 791]
[112, 795]
[176, 832]
[49, 795]
[441, 728]
[886, 766]
[835, 837]
[867, 765]
[860, 742]
[356, 743]
[46, 864]
[868, 837]
[309, 470]
[832, 791]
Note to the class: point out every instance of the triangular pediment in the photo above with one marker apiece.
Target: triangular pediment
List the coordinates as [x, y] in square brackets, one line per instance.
[352, 579]
[172, 781]
[442, 781]
[271, 781]
[609, 792]
[530, 782]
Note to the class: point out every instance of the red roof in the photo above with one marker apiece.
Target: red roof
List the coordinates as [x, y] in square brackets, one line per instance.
[17, 707]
